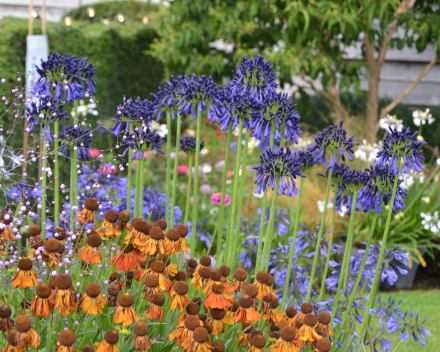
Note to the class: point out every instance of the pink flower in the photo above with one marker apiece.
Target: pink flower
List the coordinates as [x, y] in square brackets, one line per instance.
[229, 174]
[216, 198]
[182, 169]
[95, 153]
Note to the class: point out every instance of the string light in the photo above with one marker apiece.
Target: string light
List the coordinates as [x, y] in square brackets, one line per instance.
[120, 17]
[145, 20]
[68, 20]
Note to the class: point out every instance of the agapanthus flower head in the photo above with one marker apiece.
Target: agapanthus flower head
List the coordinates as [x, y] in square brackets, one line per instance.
[131, 113]
[353, 180]
[389, 312]
[335, 141]
[306, 159]
[282, 164]
[75, 136]
[379, 343]
[391, 121]
[275, 109]
[188, 145]
[339, 172]
[167, 98]
[412, 325]
[197, 93]
[140, 140]
[103, 179]
[59, 74]
[254, 77]
[46, 111]
[404, 145]
[378, 190]
[421, 117]
[281, 221]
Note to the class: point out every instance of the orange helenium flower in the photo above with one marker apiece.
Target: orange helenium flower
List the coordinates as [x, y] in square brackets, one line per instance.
[127, 258]
[218, 298]
[246, 313]
[25, 336]
[108, 227]
[155, 310]
[41, 305]
[179, 298]
[64, 295]
[92, 302]
[88, 213]
[111, 338]
[125, 315]
[26, 276]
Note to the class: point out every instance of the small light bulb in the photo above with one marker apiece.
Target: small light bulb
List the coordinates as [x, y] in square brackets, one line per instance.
[145, 20]
[68, 20]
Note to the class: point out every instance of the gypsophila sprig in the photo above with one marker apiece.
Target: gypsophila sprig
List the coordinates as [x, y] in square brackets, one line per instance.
[188, 145]
[254, 77]
[334, 141]
[281, 164]
[275, 108]
[59, 74]
[401, 145]
[46, 112]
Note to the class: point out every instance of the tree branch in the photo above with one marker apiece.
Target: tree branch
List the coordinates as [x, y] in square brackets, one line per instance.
[393, 104]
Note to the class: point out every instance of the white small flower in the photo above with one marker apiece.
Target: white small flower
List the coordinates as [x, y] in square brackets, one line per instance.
[258, 195]
[431, 222]
[421, 117]
[391, 121]
[321, 206]
[426, 200]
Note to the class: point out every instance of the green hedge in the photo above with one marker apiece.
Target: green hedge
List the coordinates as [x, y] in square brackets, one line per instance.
[117, 50]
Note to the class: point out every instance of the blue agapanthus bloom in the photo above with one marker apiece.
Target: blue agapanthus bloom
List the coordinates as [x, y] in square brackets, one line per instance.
[379, 343]
[353, 272]
[334, 141]
[275, 109]
[379, 190]
[140, 140]
[356, 307]
[188, 145]
[281, 222]
[254, 77]
[76, 137]
[59, 74]
[339, 173]
[130, 114]
[401, 145]
[20, 191]
[411, 325]
[196, 94]
[352, 180]
[102, 179]
[394, 261]
[306, 159]
[283, 165]
[203, 234]
[232, 107]
[167, 98]
[389, 313]
[46, 112]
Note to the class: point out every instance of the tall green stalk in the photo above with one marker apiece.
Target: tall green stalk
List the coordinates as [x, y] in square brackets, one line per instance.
[71, 196]
[75, 161]
[188, 197]
[330, 242]
[237, 243]
[321, 231]
[352, 296]
[349, 242]
[292, 248]
[129, 175]
[141, 186]
[43, 189]
[263, 210]
[345, 261]
[176, 163]
[270, 225]
[376, 280]
[196, 186]
[220, 219]
[234, 196]
[57, 174]
[167, 180]
[138, 190]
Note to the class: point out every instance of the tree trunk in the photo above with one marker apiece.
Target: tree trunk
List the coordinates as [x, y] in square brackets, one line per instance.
[372, 112]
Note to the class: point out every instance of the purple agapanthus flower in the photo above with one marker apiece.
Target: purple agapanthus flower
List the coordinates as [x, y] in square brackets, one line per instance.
[378, 190]
[352, 180]
[167, 98]
[254, 77]
[334, 141]
[196, 94]
[281, 164]
[20, 191]
[46, 112]
[130, 114]
[188, 145]
[103, 179]
[76, 137]
[140, 140]
[394, 261]
[203, 234]
[401, 145]
[356, 307]
[379, 343]
[306, 159]
[281, 222]
[59, 74]
[411, 325]
[389, 313]
[275, 109]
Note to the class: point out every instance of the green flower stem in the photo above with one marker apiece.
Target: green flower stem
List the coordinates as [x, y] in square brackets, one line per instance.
[321, 230]
[141, 186]
[352, 296]
[263, 210]
[176, 163]
[167, 180]
[75, 175]
[376, 280]
[196, 187]
[330, 242]
[75, 160]
[71, 196]
[57, 174]
[129, 175]
[237, 245]
[349, 243]
[345, 260]
[220, 219]
[138, 190]
[234, 196]
[188, 196]
[43, 196]
[292, 248]
[270, 225]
